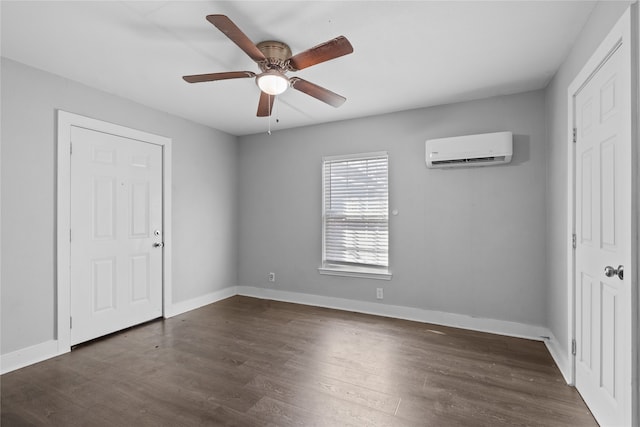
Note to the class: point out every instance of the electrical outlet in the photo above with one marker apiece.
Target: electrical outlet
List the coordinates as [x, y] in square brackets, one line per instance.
[272, 277]
[379, 293]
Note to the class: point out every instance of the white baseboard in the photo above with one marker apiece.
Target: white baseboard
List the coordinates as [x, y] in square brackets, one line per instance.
[37, 353]
[561, 359]
[493, 326]
[28, 356]
[192, 304]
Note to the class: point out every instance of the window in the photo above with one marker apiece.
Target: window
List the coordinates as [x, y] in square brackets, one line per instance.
[355, 218]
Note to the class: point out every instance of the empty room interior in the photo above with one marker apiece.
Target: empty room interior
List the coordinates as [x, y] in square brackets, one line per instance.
[349, 213]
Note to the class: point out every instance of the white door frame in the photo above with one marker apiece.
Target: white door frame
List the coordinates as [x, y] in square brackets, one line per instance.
[63, 221]
[625, 33]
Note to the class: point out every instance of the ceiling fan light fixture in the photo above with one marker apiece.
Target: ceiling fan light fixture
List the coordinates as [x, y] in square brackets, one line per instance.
[272, 82]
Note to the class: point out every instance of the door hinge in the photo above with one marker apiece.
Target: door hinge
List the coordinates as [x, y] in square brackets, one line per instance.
[574, 240]
[575, 135]
[70, 322]
[573, 347]
[70, 148]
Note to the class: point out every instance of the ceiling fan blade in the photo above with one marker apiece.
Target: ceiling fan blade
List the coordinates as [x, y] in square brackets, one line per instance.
[197, 78]
[318, 92]
[265, 105]
[332, 49]
[235, 34]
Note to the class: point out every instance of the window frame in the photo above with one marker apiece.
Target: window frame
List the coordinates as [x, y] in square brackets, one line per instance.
[353, 269]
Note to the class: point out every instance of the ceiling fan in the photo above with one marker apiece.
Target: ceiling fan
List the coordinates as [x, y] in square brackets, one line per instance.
[275, 60]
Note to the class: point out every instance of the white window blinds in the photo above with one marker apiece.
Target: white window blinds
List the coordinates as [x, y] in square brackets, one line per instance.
[356, 210]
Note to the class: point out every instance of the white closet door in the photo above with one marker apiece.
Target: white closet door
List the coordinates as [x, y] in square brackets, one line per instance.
[116, 233]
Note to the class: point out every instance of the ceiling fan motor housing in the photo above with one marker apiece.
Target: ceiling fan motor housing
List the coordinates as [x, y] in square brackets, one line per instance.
[277, 54]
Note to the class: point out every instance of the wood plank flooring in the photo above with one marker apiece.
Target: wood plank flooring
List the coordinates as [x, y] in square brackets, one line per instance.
[251, 362]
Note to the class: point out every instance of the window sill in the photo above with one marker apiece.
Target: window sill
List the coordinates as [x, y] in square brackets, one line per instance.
[363, 273]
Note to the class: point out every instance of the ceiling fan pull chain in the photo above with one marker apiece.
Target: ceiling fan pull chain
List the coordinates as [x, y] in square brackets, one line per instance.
[269, 104]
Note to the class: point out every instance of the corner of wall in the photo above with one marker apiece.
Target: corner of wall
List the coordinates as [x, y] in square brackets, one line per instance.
[559, 356]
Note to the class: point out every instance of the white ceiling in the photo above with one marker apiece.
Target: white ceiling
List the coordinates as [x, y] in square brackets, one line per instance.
[407, 54]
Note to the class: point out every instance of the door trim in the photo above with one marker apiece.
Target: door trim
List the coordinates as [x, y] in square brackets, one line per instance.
[65, 122]
[621, 36]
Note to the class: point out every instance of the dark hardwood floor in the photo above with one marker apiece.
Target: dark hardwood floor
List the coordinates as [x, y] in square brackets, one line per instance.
[250, 362]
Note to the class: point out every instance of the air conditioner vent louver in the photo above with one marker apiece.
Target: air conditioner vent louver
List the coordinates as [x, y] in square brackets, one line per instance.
[471, 150]
[499, 159]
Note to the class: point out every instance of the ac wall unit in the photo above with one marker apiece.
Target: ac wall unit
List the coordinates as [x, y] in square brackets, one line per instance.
[470, 150]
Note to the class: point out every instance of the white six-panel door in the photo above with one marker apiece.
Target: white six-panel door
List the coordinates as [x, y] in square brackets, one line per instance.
[116, 233]
[603, 159]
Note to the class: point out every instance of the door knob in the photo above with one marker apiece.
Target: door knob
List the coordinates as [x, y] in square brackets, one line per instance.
[610, 271]
[158, 245]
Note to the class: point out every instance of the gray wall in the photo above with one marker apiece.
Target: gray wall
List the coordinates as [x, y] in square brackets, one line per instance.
[602, 19]
[467, 241]
[204, 196]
